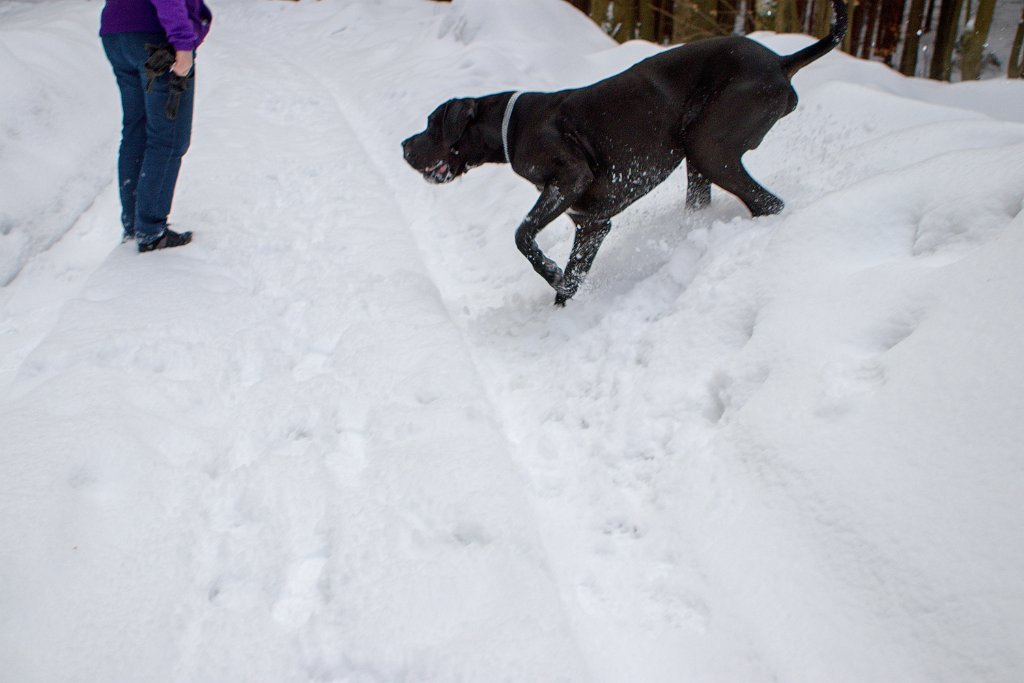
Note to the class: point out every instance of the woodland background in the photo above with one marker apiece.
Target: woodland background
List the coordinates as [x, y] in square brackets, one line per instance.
[940, 39]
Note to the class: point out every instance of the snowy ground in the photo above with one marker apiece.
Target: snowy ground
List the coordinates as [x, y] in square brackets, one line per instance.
[344, 436]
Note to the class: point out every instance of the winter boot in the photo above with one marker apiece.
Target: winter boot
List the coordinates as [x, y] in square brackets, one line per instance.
[167, 240]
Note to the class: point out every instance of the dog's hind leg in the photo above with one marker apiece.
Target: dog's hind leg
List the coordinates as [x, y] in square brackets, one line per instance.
[716, 152]
[698, 188]
[723, 167]
[555, 199]
[589, 235]
[735, 179]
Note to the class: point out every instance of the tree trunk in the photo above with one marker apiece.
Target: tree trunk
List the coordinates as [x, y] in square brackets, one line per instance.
[855, 34]
[864, 22]
[974, 41]
[912, 42]
[599, 13]
[616, 17]
[647, 29]
[929, 20]
[663, 16]
[945, 39]
[1015, 68]
[746, 21]
[821, 18]
[628, 14]
[787, 16]
[849, 42]
[890, 19]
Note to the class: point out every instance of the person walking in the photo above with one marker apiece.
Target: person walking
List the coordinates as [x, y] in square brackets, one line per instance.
[154, 136]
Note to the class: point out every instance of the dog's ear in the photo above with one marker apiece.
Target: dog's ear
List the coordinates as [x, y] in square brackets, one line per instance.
[457, 116]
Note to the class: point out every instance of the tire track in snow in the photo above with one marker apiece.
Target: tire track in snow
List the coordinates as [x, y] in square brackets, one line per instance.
[374, 433]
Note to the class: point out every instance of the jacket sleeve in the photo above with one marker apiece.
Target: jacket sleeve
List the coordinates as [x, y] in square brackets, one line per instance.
[173, 17]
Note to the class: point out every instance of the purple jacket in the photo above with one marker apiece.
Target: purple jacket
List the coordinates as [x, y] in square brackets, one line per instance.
[185, 22]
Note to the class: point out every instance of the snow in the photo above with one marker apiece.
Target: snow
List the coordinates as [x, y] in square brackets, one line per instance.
[48, 65]
[345, 436]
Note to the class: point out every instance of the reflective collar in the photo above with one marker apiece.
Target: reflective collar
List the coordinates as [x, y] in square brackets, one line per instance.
[504, 124]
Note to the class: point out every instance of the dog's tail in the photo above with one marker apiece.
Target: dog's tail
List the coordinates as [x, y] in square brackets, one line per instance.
[799, 60]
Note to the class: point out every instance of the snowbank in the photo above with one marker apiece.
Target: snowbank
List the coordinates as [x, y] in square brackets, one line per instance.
[59, 117]
[524, 22]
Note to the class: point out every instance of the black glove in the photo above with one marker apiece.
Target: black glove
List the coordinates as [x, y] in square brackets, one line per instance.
[161, 59]
[179, 84]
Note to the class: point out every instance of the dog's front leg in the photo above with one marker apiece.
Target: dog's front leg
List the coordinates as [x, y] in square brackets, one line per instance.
[552, 203]
[589, 235]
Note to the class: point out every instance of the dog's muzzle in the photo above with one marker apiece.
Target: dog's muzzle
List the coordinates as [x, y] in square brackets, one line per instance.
[439, 173]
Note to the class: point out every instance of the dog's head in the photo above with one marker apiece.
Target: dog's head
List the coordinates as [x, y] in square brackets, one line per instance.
[439, 152]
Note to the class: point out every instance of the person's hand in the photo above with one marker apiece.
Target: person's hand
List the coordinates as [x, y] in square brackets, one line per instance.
[182, 63]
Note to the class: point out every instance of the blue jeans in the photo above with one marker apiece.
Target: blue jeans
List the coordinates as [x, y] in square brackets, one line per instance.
[152, 144]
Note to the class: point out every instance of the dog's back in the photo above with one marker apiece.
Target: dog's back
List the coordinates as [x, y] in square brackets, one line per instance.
[663, 96]
[664, 93]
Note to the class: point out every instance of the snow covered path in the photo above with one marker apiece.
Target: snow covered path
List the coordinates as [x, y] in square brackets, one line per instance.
[345, 436]
[293, 383]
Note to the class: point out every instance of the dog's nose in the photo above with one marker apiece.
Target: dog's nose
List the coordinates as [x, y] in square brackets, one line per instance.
[406, 151]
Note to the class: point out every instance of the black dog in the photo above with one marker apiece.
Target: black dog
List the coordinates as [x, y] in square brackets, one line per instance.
[593, 151]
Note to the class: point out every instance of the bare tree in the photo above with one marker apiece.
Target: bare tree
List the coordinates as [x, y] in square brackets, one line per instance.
[885, 30]
[945, 39]
[887, 35]
[975, 39]
[609, 15]
[646, 27]
[862, 27]
[849, 44]
[787, 17]
[1015, 68]
[912, 40]
[820, 17]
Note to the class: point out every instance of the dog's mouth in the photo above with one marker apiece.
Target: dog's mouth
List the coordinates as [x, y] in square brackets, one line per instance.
[439, 173]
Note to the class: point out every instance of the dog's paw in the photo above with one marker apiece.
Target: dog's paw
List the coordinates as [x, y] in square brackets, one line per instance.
[563, 293]
[565, 289]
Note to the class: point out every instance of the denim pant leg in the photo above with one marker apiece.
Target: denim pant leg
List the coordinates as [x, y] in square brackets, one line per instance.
[152, 144]
[133, 127]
